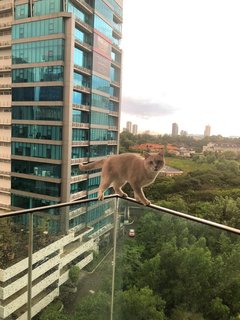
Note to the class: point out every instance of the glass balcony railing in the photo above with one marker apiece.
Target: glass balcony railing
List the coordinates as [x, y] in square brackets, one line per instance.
[117, 260]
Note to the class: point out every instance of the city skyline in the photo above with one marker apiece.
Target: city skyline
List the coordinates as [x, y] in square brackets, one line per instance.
[179, 69]
[175, 130]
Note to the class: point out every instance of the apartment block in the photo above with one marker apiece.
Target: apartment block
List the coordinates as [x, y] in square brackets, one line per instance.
[60, 87]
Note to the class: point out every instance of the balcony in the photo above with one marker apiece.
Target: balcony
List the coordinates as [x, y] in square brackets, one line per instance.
[6, 25]
[86, 71]
[172, 265]
[5, 44]
[6, 7]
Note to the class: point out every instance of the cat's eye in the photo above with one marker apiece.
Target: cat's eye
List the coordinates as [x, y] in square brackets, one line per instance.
[151, 162]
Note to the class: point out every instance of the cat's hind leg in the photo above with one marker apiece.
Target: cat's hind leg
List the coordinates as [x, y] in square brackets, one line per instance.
[102, 187]
[117, 186]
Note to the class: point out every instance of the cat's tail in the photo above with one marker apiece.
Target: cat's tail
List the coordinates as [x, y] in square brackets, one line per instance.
[92, 165]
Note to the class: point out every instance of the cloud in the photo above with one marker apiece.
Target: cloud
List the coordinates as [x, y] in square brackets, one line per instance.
[145, 108]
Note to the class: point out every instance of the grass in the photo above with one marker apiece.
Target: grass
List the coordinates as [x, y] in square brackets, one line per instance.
[186, 165]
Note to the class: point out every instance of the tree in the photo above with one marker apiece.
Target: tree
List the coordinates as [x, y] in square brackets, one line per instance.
[92, 307]
[218, 310]
[74, 274]
[139, 304]
[53, 312]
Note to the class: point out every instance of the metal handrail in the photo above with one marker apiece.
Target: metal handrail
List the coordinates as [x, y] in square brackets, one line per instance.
[151, 206]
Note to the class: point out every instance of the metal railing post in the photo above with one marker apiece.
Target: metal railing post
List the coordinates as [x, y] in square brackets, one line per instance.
[114, 254]
[30, 252]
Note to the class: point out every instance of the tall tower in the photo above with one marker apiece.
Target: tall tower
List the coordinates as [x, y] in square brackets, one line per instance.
[129, 126]
[207, 131]
[135, 129]
[174, 130]
[6, 17]
[60, 90]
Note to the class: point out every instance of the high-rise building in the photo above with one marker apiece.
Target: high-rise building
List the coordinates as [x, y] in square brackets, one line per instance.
[135, 129]
[129, 126]
[60, 76]
[174, 129]
[207, 131]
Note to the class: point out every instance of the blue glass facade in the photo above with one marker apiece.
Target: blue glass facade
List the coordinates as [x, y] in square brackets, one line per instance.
[100, 84]
[43, 7]
[38, 51]
[37, 150]
[42, 105]
[36, 186]
[80, 116]
[41, 169]
[37, 94]
[38, 28]
[38, 74]
[29, 202]
[49, 113]
[81, 98]
[31, 131]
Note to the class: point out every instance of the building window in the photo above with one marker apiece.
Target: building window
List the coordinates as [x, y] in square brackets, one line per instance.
[37, 94]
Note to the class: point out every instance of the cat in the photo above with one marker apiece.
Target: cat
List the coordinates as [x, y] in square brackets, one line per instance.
[119, 169]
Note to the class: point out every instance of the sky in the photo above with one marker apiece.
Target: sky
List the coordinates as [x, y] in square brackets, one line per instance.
[181, 63]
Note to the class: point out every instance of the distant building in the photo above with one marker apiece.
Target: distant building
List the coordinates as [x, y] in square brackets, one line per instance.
[174, 129]
[207, 131]
[222, 147]
[135, 129]
[183, 133]
[129, 126]
[149, 147]
[170, 171]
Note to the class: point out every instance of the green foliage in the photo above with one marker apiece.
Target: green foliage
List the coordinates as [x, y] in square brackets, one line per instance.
[192, 268]
[139, 304]
[53, 312]
[74, 274]
[181, 314]
[92, 307]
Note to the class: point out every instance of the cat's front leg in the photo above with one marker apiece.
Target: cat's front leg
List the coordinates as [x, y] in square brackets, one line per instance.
[139, 196]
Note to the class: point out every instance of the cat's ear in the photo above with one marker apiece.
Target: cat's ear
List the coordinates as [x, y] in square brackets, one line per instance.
[146, 154]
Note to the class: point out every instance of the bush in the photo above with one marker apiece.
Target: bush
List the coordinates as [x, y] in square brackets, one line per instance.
[74, 274]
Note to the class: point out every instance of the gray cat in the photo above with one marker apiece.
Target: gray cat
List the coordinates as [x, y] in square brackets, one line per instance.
[117, 170]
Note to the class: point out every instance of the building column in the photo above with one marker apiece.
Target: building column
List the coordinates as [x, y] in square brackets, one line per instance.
[67, 109]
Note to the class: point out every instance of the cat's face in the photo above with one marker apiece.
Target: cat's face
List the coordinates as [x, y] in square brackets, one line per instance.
[154, 162]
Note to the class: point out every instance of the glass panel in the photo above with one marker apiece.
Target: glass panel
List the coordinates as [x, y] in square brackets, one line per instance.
[36, 150]
[37, 131]
[102, 26]
[164, 265]
[14, 233]
[38, 74]
[170, 267]
[37, 94]
[37, 113]
[43, 7]
[38, 51]
[41, 169]
[22, 11]
[38, 28]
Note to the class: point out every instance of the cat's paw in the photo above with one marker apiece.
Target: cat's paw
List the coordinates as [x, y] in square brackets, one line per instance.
[124, 195]
[147, 203]
[101, 197]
